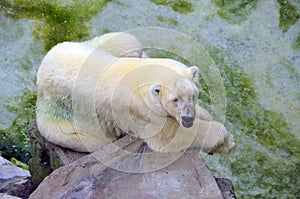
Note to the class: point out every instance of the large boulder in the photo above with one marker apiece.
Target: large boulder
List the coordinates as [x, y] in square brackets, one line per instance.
[123, 169]
[112, 172]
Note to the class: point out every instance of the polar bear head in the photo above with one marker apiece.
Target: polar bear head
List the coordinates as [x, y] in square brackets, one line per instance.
[180, 98]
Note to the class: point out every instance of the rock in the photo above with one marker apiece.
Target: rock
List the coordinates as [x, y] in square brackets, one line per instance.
[46, 156]
[126, 169]
[14, 180]
[7, 196]
[9, 171]
[226, 187]
[21, 187]
[123, 169]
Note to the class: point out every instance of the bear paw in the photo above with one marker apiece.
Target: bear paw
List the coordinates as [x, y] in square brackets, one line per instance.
[226, 146]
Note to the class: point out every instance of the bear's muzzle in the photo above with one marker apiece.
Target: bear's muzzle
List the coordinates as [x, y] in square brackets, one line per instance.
[187, 121]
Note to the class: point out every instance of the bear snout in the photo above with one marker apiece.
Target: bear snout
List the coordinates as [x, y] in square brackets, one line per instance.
[187, 121]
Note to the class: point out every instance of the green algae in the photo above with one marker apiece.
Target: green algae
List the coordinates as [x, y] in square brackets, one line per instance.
[55, 162]
[235, 11]
[106, 30]
[296, 44]
[180, 6]
[169, 20]
[55, 22]
[286, 64]
[19, 163]
[15, 141]
[288, 15]
[267, 156]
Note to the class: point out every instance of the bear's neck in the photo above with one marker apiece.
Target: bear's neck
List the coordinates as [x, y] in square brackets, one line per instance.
[146, 118]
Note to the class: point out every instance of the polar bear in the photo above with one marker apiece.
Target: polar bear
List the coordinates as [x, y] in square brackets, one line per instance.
[123, 44]
[88, 98]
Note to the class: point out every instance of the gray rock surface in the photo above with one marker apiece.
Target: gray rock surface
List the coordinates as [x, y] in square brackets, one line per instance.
[8, 170]
[226, 187]
[7, 196]
[124, 169]
[20, 187]
[121, 170]
[14, 180]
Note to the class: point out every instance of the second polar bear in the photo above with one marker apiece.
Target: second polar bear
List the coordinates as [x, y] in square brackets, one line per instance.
[88, 98]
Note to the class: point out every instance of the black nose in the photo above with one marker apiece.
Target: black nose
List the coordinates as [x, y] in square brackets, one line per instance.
[187, 119]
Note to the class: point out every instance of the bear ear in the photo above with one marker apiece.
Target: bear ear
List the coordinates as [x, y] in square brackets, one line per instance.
[155, 89]
[194, 72]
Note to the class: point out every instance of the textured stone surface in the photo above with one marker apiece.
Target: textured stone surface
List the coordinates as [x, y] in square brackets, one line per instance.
[7, 196]
[14, 180]
[112, 172]
[46, 157]
[226, 187]
[124, 169]
[21, 187]
[9, 171]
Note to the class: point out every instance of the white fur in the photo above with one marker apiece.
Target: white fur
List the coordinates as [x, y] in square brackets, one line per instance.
[119, 44]
[87, 98]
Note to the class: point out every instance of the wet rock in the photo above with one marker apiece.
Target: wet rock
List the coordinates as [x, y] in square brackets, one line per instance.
[14, 180]
[127, 169]
[46, 156]
[7, 196]
[21, 187]
[9, 171]
[226, 187]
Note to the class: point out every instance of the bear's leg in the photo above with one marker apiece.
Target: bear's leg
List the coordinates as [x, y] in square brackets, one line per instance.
[209, 136]
[213, 137]
[65, 134]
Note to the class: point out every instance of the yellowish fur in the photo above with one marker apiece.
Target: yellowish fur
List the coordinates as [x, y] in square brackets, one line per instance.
[87, 98]
[119, 44]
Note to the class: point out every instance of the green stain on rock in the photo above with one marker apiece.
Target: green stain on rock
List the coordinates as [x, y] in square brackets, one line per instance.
[19, 163]
[235, 11]
[169, 20]
[288, 15]
[293, 73]
[106, 30]
[296, 44]
[55, 21]
[160, 18]
[55, 161]
[179, 6]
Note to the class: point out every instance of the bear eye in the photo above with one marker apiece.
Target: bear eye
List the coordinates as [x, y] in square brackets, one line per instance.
[175, 100]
